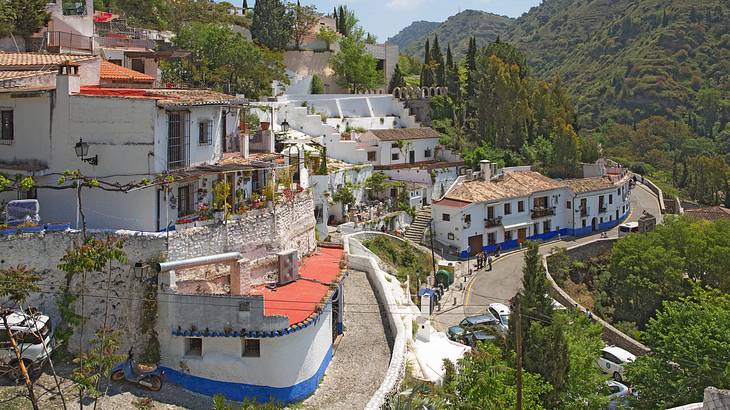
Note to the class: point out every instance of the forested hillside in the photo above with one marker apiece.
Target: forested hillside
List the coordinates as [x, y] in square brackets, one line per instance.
[628, 60]
[413, 33]
[458, 29]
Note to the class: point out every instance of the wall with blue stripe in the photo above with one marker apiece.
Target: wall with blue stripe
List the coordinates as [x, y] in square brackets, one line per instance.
[508, 245]
[241, 391]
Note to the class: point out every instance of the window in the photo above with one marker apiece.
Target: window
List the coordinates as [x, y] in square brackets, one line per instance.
[536, 228]
[491, 238]
[584, 223]
[610, 199]
[467, 219]
[394, 156]
[193, 346]
[205, 132]
[29, 194]
[251, 348]
[546, 226]
[6, 126]
[521, 206]
[138, 65]
[427, 153]
[507, 235]
[618, 192]
[178, 139]
[568, 205]
[371, 155]
[450, 236]
[244, 307]
[445, 217]
[185, 200]
[508, 209]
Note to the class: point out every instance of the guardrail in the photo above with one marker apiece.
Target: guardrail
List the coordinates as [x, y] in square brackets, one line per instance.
[63, 39]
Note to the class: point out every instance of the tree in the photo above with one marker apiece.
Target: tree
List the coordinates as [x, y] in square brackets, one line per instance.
[148, 13]
[328, 36]
[708, 105]
[272, 23]
[317, 85]
[30, 16]
[305, 19]
[566, 151]
[437, 59]
[7, 19]
[397, 80]
[453, 82]
[347, 21]
[224, 60]
[355, 68]
[427, 69]
[375, 184]
[691, 351]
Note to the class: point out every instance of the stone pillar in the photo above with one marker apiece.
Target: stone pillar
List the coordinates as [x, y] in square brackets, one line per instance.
[235, 279]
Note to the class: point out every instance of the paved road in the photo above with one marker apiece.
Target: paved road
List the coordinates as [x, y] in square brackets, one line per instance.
[363, 355]
[505, 280]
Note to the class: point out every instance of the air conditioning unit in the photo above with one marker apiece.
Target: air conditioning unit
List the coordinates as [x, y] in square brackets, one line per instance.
[288, 266]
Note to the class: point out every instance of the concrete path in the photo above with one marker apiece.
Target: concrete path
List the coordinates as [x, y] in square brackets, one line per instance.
[505, 279]
[363, 354]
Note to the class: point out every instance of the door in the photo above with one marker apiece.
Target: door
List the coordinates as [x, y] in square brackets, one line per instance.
[412, 157]
[522, 235]
[475, 244]
[594, 225]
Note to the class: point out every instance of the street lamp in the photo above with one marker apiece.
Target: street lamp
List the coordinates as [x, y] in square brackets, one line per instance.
[140, 270]
[285, 126]
[82, 150]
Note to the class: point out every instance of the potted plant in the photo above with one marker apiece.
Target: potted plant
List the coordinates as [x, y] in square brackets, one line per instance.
[221, 190]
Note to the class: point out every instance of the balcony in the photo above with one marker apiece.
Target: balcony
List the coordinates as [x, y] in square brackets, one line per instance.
[541, 212]
[125, 42]
[493, 222]
[58, 40]
[584, 211]
[602, 209]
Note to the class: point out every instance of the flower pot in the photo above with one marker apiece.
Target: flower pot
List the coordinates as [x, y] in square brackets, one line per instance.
[264, 125]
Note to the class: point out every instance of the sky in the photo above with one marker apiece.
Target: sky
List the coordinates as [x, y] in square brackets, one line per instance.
[385, 18]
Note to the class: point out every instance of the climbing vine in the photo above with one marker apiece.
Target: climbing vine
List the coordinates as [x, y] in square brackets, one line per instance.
[151, 353]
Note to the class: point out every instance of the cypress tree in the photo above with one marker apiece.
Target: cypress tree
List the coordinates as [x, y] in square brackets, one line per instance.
[398, 79]
[452, 76]
[337, 20]
[341, 18]
[471, 66]
[245, 6]
[438, 60]
[449, 57]
[427, 70]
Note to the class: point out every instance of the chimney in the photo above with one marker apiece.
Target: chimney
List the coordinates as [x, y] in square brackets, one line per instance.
[68, 80]
[244, 144]
[486, 167]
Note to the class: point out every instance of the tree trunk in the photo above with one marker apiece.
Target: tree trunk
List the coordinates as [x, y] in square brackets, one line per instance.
[23, 370]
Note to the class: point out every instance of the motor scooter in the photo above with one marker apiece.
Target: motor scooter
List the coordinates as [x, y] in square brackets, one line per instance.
[127, 370]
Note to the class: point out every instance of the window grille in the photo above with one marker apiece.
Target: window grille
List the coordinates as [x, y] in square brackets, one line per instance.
[178, 140]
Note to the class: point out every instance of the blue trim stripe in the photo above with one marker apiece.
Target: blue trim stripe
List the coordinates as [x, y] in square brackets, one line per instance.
[240, 391]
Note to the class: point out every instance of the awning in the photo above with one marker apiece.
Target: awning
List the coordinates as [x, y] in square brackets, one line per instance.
[516, 226]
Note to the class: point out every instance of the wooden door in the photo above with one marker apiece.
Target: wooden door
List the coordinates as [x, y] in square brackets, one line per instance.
[522, 235]
[475, 244]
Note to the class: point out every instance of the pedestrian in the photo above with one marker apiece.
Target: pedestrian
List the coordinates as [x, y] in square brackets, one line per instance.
[499, 249]
[590, 315]
[489, 262]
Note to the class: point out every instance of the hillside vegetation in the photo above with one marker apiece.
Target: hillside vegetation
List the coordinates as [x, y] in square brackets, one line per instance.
[413, 33]
[457, 30]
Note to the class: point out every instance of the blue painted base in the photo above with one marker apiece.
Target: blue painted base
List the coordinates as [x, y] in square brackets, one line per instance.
[507, 245]
[240, 391]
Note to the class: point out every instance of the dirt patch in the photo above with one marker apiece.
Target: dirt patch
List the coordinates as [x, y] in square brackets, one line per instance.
[580, 293]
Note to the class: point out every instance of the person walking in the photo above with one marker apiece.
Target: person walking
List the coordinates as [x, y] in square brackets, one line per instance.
[489, 262]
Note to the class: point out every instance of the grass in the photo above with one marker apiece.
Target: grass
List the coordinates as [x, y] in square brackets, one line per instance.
[408, 261]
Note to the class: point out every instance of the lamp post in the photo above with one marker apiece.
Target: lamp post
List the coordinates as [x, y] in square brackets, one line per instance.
[82, 150]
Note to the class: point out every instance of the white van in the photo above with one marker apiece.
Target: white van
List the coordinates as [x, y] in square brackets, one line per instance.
[627, 228]
[34, 336]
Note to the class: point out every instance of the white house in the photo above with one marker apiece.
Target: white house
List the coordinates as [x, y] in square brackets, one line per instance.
[489, 209]
[259, 340]
[132, 134]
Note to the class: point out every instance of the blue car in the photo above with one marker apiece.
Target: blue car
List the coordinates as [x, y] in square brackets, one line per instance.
[457, 333]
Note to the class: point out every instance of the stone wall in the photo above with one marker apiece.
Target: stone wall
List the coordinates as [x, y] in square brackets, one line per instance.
[611, 335]
[288, 224]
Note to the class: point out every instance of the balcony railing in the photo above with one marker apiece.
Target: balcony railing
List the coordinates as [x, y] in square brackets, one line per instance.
[543, 212]
[123, 42]
[584, 211]
[602, 209]
[60, 39]
[493, 222]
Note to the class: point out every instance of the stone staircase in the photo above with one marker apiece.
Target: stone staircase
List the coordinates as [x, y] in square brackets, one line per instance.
[419, 225]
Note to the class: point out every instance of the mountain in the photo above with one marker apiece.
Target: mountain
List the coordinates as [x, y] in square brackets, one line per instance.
[627, 60]
[412, 33]
[458, 29]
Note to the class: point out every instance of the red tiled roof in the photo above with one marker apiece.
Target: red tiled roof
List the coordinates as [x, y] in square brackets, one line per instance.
[711, 213]
[165, 96]
[451, 202]
[511, 185]
[298, 300]
[15, 75]
[29, 61]
[116, 73]
[405, 134]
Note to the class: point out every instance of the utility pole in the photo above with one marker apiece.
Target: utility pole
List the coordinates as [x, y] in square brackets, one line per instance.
[518, 340]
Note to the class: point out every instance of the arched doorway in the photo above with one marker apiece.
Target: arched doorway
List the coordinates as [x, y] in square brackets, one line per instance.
[594, 225]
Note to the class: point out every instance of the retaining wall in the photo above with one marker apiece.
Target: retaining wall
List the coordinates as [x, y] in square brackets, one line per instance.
[611, 335]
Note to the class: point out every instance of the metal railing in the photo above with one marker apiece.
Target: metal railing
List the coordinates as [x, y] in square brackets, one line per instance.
[61, 39]
[602, 209]
[543, 212]
[584, 211]
[493, 222]
[124, 42]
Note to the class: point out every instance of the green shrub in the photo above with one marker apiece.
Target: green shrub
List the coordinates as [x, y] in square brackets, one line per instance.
[317, 85]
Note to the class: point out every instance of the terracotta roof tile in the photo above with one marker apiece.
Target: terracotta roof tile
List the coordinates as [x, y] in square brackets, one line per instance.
[116, 73]
[16, 75]
[581, 185]
[710, 213]
[511, 185]
[29, 61]
[405, 134]
[165, 97]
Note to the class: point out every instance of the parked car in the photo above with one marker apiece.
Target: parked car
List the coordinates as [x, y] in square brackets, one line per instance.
[627, 228]
[473, 338]
[34, 336]
[619, 395]
[456, 333]
[501, 312]
[612, 361]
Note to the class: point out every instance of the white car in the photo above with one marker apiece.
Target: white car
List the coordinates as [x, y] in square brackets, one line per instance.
[34, 336]
[501, 312]
[612, 361]
[627, 228]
